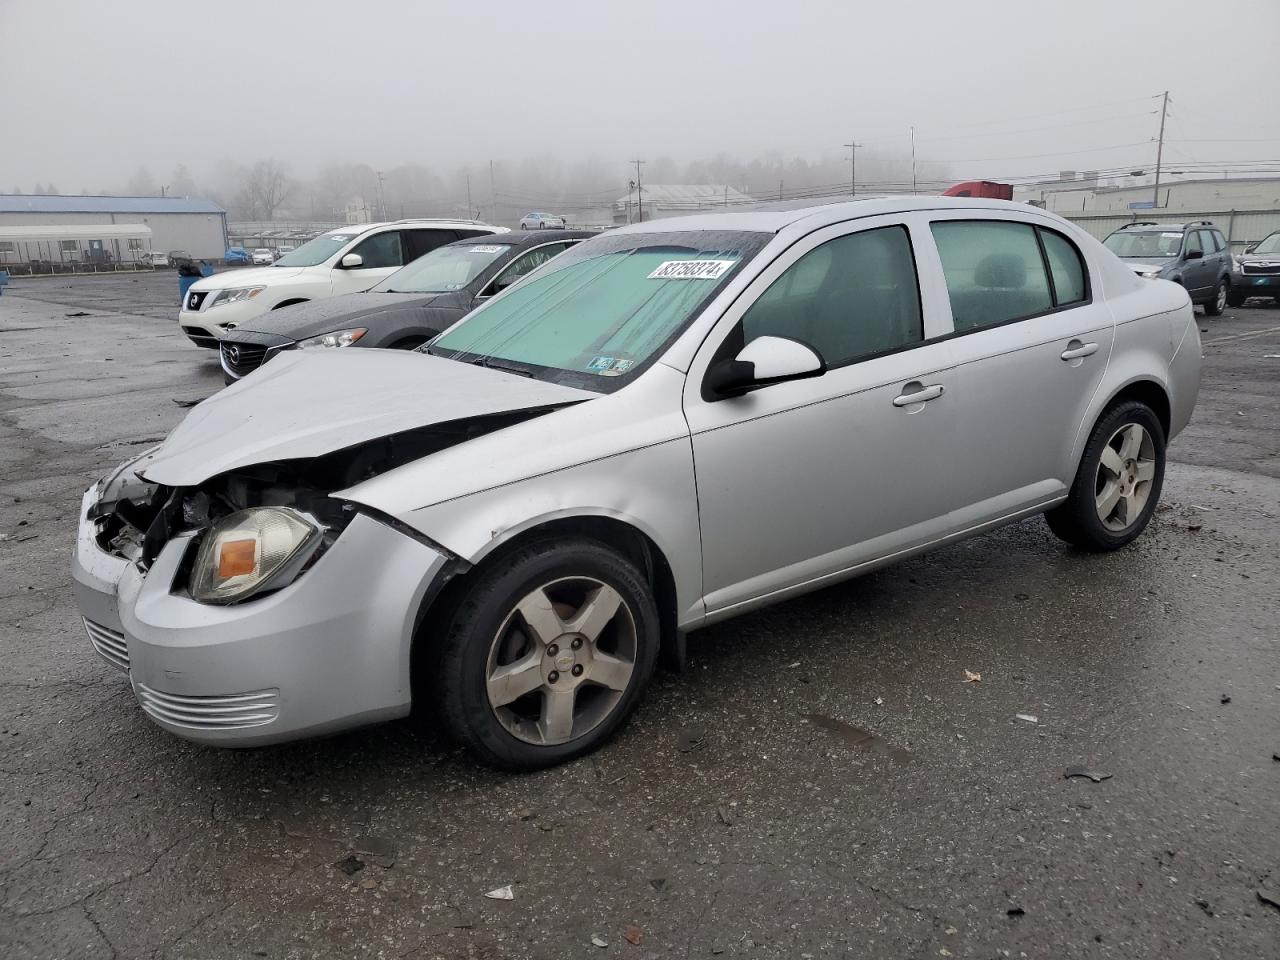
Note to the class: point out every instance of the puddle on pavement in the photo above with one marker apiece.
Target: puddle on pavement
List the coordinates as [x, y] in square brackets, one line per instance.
[857, 737]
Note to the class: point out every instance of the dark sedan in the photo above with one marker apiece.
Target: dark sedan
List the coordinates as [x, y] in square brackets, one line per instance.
[408, 308]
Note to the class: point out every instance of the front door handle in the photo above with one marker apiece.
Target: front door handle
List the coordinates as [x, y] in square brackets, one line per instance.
[1077, 350]
[918, 394]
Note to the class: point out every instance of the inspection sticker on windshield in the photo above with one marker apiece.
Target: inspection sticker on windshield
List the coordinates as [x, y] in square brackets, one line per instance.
[691, 269]
[1173, 236]
[489, 248]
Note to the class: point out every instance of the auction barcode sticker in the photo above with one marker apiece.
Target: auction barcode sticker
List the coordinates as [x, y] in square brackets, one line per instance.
[692, 269]
[487, 248]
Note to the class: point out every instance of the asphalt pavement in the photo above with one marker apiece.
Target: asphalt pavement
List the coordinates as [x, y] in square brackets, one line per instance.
[821, 782]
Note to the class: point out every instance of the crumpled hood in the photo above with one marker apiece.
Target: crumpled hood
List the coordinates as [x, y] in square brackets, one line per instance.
[246, 278]
[306, 404]
[310, 319]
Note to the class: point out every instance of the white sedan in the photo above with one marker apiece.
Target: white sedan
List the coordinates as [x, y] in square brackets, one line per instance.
[263, 256]
[543, 221]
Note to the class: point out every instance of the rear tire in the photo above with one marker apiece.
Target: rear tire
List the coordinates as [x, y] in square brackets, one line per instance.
[523, 692]
[1214, 306]
[1118, 482]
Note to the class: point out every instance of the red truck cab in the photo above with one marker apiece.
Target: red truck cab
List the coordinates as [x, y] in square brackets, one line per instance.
[981, 188]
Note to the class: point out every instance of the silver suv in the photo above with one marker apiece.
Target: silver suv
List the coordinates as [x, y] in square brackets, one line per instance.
[1193, 255]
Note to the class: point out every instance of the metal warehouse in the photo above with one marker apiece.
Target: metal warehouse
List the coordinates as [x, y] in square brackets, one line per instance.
[107, 230]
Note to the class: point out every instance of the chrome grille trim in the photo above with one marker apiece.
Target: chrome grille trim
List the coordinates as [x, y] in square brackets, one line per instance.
[108, 644]
[229, 712]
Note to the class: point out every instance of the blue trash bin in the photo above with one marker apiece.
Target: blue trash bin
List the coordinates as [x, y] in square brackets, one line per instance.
[187, 275]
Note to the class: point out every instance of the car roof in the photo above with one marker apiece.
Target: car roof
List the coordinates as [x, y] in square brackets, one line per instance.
[535, 238]
[773, 218]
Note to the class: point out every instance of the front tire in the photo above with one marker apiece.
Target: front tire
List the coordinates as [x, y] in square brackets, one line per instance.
[1214, 306]
[1118, 482]
[1236, 299]
[545, 653]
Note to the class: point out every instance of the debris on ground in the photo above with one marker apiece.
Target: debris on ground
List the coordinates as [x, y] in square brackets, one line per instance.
[879, 701]
[186, 403]
[1027, 717]
[727, 815]
[350, 865]
[598, 941]
[1195, 527]
[502, 893]
[1269, 898]
[633, 935]
[1205, 905]
[78, 313]
[690, 739]
[856, 736]
[658, 883]
[1224, 699]
[971, 677]
[1015, 912]
[1095, 775]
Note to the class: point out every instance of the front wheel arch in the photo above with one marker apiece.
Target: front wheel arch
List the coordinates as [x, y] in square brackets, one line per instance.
[618, 535]
[290, 303]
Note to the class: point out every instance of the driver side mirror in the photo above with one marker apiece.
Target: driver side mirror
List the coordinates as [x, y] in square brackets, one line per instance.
[351, 261]
[1249, 248]
[1193, 255]
[761, 363]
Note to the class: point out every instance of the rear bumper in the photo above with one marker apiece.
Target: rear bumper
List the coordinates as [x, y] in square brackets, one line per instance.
[328, 652]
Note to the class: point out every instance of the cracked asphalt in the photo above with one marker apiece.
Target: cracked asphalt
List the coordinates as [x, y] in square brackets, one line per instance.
[745, 811]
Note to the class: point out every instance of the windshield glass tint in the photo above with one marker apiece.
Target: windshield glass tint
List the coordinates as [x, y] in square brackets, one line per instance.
[1163, 244]
[318, 250]
[604, 308]
[444, 269]
[1269, 245]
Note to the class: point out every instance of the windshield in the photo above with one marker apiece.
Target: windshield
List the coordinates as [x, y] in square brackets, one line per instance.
[599, 313]
[1149, 243]
[1270, 244]
[443, 269]
[318, 250]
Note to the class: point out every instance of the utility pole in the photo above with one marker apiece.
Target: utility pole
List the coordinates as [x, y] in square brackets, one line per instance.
[470, 215]
[163, 189]
[382, 202]
[913, 159]
[779, 189]
[639, 191]
[493, 197]
[1164, 109]
[853, 167]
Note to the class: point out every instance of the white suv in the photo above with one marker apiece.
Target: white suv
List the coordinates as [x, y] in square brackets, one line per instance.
[347, 260]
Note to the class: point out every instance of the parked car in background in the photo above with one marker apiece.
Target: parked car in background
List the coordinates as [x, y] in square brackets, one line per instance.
[155, 258]
[263, 256]
[670, 424]
[1258, 271]
[345, 260]
[176, 255]
[406, 309]
[542, 221]
[237, 255]
[1195, 255]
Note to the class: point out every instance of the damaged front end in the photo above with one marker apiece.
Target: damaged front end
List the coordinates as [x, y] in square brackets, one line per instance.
[255, 529]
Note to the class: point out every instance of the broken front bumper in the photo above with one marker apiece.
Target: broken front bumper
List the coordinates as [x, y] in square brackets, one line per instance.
[327, 652]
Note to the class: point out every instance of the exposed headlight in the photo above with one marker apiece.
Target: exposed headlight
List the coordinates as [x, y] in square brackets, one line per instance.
[1149, 274]
[338, 338]
[243, 552]
[235, 295]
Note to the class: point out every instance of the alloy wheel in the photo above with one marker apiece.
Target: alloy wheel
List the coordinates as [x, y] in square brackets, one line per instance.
[1125, 472]
[561, 660]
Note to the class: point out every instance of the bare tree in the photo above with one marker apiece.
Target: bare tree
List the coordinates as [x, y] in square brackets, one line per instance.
[265, 189]
[142, 184]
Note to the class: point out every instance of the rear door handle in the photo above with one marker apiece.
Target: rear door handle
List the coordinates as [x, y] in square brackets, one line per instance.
[918, 394]
[1076, 350]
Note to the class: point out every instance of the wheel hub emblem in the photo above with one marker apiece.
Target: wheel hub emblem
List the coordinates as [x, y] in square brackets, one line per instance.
[564, 661]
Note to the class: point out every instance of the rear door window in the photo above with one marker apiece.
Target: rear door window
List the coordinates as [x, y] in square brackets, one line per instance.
[418, 242]
[994, 272]
[851, 298]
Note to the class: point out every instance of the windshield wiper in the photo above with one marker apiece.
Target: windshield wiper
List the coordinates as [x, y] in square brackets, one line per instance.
[496, 364]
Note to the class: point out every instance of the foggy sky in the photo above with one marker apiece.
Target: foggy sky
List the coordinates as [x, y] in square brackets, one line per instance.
[994, 88]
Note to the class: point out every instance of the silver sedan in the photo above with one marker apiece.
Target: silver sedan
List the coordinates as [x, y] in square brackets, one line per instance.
[668, 425]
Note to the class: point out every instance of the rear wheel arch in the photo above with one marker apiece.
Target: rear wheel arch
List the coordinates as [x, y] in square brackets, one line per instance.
[1148, 392]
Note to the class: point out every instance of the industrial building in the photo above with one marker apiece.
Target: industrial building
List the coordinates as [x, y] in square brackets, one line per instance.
[47, 233]
[1086, 194]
